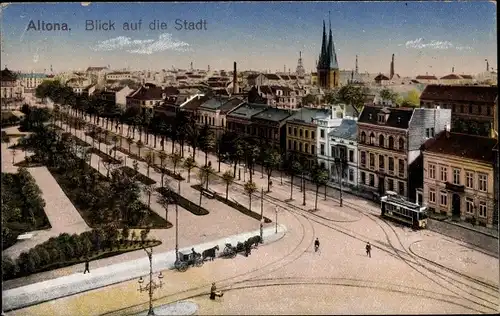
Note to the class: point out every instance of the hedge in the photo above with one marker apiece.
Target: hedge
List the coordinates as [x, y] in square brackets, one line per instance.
[139, 176]
[177, 176]
[182, 201]
[105, 157]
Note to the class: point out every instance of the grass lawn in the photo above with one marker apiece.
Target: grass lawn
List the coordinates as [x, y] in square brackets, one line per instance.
[13, 188]
[156, 221]
[185, 203]
[139, 176]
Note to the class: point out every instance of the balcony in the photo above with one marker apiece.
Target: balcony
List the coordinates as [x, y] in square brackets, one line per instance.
[459, 188]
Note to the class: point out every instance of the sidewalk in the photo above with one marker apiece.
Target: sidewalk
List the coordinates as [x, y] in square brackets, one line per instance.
[76, 283]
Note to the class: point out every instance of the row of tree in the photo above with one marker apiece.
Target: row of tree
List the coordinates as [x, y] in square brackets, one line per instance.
[68, 249]
[22, 204]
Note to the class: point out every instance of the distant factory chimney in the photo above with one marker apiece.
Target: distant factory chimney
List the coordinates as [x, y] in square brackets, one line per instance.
[191, 66]
[357, 69]
[487, 65]
[392, 67]
[452, 69]
[208, 68]
[235, 79]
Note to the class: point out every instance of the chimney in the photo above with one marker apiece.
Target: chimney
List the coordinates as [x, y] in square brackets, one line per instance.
[235, 79]
[452, 69]
[392, 67]
[357, 64]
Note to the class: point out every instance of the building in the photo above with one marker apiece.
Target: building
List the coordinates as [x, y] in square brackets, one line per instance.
[471, 107]
[427, 79]
[269, 126]
[301, 134]
[116, 96]
[213, 113]
[119, 75]
[31, 81]
[11, 88]
[278, 96]
[97, 75]
[328, 74]
[389, 141]
[239, 119]
[458, 176]
[263, 79]
[343, 146]
[149, 95]
[325, 125]
[456, 79]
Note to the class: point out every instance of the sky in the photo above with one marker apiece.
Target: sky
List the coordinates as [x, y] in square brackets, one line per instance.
[426, 37]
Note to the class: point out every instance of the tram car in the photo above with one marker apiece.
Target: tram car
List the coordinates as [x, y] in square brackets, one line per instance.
[399, 209]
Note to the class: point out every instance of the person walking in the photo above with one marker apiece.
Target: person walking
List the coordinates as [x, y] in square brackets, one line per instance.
[86, 266]
[369, 250]
[316, 245]
[214, 293]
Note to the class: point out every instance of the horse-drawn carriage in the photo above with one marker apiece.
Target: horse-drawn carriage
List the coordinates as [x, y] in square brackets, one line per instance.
[188, 259]
[231, 251]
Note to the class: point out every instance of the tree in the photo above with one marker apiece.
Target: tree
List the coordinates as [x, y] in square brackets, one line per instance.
[388, 95]
[130, 141]
[294, 168]
[193, 136]
[115, 140]
[228, 178]
[204, 174]
[189, 164]
[165, 201]
[353, 95]
[139, 145]
[207, 141]
[125, 233]
[150, 160]
[149, 189]
[272, 159]
[250, 188]
[320, 178]
[162, 156]
[144, 234]
[412, 99]
[308, 99]
[175, 158]
[251, 152]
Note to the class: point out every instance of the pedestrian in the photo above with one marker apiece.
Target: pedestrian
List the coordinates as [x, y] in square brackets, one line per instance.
[86, 266]
[316, 245]
[369, 249]
[214, 292]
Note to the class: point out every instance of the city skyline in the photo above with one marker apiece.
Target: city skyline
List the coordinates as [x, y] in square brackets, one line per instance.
[424, 37]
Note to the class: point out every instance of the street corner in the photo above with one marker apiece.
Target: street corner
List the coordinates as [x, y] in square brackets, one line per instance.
[458, 257]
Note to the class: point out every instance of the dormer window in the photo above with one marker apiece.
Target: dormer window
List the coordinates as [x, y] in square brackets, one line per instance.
[381, 118]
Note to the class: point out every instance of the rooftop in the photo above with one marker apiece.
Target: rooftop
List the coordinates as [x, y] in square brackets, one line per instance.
[460, 93]
[247, 110]
[273, 114]
[462, 145]
[348, 129]
[8, 75]
[213, 103]
[195, 103]
[230, 105]
[306, 115]
[398, 117]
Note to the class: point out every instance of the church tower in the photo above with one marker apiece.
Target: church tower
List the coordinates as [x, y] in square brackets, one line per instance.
[328, 68]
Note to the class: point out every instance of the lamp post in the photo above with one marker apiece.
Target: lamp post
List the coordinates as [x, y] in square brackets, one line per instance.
[152, 285]
[276, 220]
[262, 215]
[177, 223]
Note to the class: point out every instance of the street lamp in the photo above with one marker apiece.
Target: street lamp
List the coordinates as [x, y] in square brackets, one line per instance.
[276, 220]
[152, 285]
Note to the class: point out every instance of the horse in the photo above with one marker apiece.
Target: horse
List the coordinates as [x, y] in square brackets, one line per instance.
[210, 253]
[255, 240]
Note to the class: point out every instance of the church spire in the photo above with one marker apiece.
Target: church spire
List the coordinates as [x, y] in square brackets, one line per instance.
[332, 56]
[323, 56]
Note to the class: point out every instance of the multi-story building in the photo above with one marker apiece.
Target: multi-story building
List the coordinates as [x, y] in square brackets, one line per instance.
[30, 81]
[263, 79]
[324, 126]
[11, 88]
[458, 176]
[269, 126]
[301, 133]
[239, 120]
[116, 96]
[427, 79]
[343, 146]
[278, 96]
[389, 141]
[471, 107]
[213, 113]
[149, 95]
[97, 75]
[119, 75]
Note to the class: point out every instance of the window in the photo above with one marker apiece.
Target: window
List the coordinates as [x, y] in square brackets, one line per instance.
[294, 145]
[372, 180]
[381, 118]
[313, 134]
[322, 149]
[372, 160]
[351, 175]
[381, 162]
[469, 205]
[470, 109]
[390, 184]
[363, 137]
[300, 147]
[313, 149]
[469, 180]
[381, 140]
[322, 133]
[401, 186]
[391, 142]
[432, 196]
[444, 174]
[482, 182]
[363, 159]
[295, 132]
[482, 209]
[289, 130]
[289, 144]
[307, 133]
[372, 139]
[488, 110]
[301, 132]
[444, 198]
[306, 146]
[432, 171]
[401, 144]
[456, 176]
[351, 155]
[332, 151]
[401, 166]
[427, 133]
[391, 164]
[432, 131]
[363, 177]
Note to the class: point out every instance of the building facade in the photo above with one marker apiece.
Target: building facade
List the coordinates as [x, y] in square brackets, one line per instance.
[10, 86]
[458, 177]
[472, 107]
[389, 141]
[343, 146]
[269, 126]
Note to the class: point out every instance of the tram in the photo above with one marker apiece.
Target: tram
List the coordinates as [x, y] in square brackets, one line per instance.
[398, 209]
